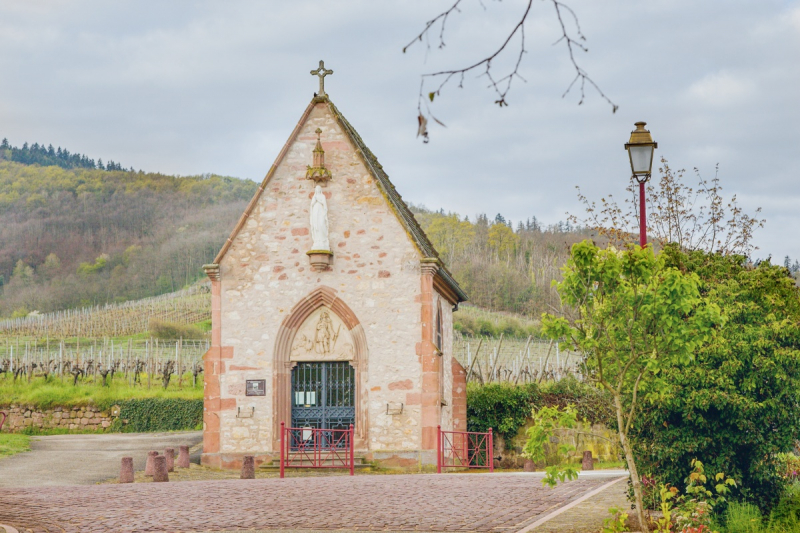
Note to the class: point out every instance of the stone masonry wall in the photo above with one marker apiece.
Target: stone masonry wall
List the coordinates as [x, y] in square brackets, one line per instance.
[75, 418]
[375, 271]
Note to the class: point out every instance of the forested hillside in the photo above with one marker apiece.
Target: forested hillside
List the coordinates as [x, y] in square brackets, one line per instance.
[501, 266]
[73, 234]
[84, 236]
[39, 154]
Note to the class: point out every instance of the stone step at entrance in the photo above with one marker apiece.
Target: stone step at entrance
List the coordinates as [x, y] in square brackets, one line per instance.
[358, 462]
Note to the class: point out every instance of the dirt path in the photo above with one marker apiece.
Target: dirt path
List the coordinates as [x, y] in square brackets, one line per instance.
[85, 459]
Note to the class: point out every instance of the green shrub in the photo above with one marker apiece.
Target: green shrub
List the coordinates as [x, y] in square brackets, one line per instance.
[158, 414]
[743, 518]
[788, 466]
[506, 407]
[788, 509]
[500, 406]
[592, 404]
[737, 403]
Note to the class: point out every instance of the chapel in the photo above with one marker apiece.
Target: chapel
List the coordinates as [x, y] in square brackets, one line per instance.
[330, 307]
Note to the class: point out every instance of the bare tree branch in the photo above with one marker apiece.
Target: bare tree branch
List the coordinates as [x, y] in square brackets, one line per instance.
[501, 85]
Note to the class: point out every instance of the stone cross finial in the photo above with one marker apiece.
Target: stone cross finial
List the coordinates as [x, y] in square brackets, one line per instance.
[321, 72]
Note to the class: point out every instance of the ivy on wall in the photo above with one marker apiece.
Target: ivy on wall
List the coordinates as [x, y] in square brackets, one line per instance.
[158, 414]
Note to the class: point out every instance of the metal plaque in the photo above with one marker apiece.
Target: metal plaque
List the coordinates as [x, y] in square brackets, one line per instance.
[256, 387]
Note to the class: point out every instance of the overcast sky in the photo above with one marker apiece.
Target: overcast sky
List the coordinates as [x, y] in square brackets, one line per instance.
[195, 87]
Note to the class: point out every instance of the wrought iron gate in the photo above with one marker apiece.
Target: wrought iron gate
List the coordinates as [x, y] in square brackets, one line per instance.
[323, 395]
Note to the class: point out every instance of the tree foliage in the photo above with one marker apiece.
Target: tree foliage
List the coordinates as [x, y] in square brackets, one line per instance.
[77, 237]
[631, 315]
[737, 406]
[38, 154]
[499, 266]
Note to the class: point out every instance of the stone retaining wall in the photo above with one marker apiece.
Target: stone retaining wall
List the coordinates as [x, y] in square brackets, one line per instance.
[87, 418]
[596, 438]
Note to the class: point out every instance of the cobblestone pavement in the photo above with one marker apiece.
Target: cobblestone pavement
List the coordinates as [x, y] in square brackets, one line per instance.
[448, 502]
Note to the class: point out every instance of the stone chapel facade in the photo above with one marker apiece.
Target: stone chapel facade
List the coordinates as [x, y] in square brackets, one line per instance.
[328, 280]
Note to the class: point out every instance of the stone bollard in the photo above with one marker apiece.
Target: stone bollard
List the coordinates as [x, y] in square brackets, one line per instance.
[248, 467]
[588, 463]
[183, 457]
[169, 453]
[126, 470]
[149, 467]
[528, 466]
[160, 469]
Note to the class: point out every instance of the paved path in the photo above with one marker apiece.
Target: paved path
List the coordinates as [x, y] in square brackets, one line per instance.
[448, 502]
[85, 459]
[588, 515]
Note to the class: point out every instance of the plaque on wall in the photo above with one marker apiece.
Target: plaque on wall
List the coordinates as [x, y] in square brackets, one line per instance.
[256, 387]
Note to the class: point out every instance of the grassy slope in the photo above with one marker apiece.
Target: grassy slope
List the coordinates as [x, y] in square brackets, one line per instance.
[11, 443]
[55, 392]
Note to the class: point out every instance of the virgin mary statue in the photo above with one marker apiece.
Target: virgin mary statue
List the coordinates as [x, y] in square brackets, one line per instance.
[319, 221]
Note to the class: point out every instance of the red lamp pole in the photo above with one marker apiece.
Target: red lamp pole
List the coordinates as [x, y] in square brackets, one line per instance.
[642, 217]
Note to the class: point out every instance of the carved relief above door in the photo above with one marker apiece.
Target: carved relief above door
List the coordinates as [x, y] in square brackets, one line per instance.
[322, 337]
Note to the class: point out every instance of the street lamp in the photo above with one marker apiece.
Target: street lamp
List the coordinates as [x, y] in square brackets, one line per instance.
[640, 152]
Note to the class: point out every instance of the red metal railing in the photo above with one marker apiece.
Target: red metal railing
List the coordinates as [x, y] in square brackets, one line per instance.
[317, 448]
[464, 449]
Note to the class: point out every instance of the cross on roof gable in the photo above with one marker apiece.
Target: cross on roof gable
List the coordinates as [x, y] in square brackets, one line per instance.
[399, 207]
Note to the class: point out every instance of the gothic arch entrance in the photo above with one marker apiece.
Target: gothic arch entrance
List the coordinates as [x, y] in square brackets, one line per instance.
[320, 365]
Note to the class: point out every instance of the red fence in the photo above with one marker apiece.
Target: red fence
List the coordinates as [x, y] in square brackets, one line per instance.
[464, 449]
[3, 421]
[317, 448]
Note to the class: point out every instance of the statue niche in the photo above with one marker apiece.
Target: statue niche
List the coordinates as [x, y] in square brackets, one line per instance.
[322, 337]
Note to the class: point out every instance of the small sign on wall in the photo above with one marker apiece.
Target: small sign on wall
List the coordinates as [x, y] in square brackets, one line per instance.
[256, 387]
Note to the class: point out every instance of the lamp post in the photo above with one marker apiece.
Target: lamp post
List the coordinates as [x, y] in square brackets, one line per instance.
[640, 152]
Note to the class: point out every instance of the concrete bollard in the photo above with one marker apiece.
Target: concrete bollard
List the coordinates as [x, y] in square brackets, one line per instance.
[160, 469]
[149, 467]
[169, 453]
[126, 470]
[588, 463]
[183, 457]
[248, 467]
[528, 466]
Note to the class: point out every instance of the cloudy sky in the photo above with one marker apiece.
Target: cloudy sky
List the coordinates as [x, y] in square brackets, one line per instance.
[192, 87]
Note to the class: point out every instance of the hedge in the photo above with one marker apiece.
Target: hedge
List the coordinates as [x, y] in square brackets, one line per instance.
[158, 414]
[505, 407]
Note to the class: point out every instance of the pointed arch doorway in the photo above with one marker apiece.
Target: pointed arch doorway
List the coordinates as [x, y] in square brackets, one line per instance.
[320, 367]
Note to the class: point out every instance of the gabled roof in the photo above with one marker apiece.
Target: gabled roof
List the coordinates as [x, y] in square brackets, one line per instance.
[400, 208]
